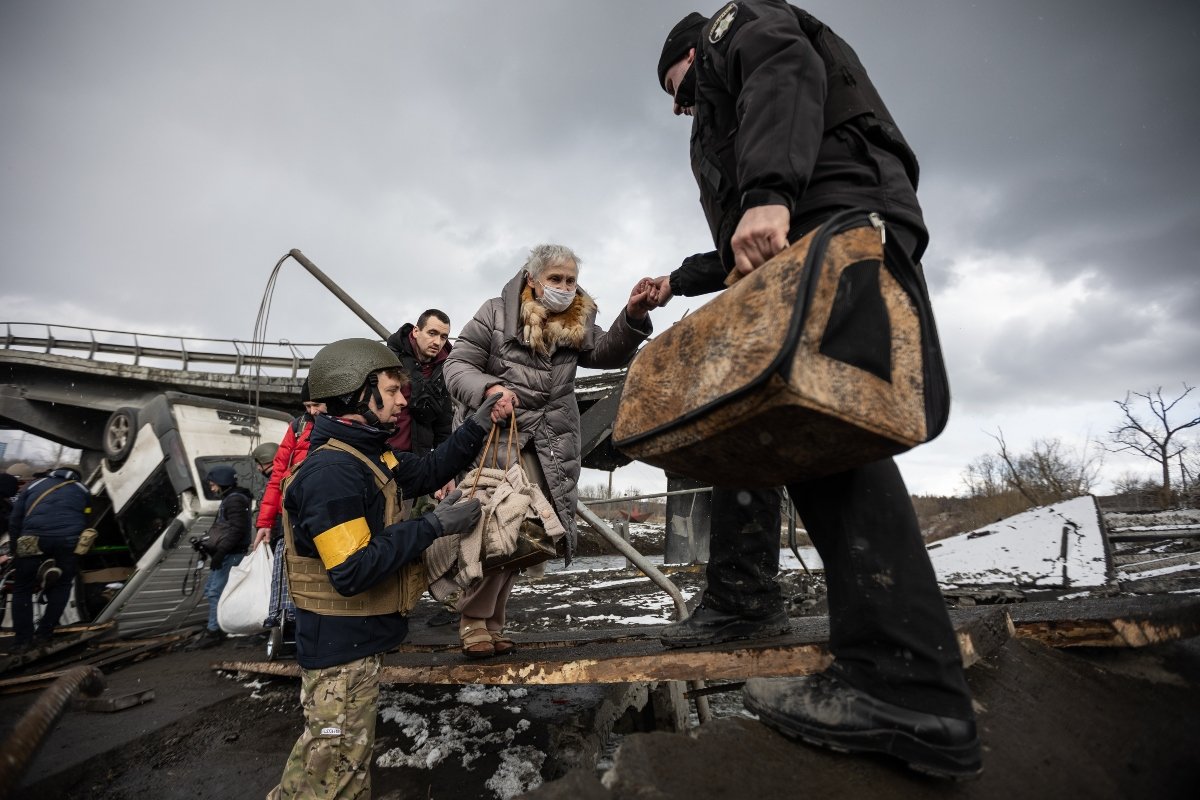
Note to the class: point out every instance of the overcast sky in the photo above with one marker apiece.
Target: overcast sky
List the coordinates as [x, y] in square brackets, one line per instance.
[159, 157]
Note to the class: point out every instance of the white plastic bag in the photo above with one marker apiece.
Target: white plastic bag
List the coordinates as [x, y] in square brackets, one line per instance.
[244, 602]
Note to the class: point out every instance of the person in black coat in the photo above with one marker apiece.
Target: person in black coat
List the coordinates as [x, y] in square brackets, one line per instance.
[428, 419]
[47, 518]
[787, 131]
[225, 545]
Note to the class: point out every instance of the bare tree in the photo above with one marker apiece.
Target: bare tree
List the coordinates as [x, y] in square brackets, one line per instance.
[1050, 472]
[1133, 483]
[985, 477]
[1155, 440]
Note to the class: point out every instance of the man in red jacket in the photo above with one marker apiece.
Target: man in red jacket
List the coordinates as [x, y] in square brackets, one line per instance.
[292, 450]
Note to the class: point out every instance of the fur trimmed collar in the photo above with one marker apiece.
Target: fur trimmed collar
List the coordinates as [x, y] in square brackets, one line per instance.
[545, 332]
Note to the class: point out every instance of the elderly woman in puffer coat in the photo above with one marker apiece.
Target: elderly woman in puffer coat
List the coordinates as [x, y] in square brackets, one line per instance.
[526, 345]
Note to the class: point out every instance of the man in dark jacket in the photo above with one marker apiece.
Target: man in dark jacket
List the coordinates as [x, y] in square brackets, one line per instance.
[428, 418]
[353, 565]
[47, 518]
[225, 544]
[787, 130]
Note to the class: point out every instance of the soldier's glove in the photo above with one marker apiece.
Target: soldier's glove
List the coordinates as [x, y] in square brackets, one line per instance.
[483, 414]
[456, 517]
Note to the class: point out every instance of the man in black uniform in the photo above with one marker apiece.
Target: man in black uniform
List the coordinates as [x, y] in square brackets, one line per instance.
[788, 130]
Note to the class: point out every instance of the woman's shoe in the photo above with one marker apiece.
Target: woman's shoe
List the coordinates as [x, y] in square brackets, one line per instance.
[501, 643]
[476, 639]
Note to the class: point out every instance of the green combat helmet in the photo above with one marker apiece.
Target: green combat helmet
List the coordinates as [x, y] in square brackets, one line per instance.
[343, 374]
[264, 454]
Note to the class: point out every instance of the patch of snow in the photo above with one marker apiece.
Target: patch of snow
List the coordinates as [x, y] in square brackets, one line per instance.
[459, 729]
[1027, 549]
[1176, 516]
[518, 773]
[477, 694]
[621, 582]
[1155, 573]
[623, 620]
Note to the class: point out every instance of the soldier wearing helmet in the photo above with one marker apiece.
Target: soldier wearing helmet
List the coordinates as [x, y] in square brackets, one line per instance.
[353, 565]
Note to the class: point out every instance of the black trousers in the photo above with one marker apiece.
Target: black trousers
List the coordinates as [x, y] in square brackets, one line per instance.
[62, 550]
[890, 632]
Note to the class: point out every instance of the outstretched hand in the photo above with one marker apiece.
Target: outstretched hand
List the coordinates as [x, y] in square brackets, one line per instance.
[663, 284]
[643, 298]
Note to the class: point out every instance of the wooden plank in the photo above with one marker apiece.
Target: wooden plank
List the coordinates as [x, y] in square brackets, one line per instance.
[981, 632]
[1109, 622]
[1159, 561]
[627, 658]
[104, 660]
[108, 704]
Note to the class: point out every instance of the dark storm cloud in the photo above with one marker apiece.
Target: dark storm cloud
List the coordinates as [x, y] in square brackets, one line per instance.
[158, 158]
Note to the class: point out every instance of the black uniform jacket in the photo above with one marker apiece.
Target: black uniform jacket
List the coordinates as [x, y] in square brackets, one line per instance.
[337, 515]
[759, 138]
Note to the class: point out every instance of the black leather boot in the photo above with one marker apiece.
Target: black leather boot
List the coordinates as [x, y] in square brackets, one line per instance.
[824, 710]
[709, 626]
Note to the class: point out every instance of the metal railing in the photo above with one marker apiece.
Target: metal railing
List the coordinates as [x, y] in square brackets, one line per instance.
[96, 343]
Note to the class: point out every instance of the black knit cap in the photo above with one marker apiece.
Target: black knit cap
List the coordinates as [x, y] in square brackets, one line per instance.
[682, 38]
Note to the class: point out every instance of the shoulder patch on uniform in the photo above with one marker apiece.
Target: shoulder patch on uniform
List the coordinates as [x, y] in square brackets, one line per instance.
[721, 22]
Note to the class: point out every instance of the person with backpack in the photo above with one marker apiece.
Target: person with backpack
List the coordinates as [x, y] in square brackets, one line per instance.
[47, 519]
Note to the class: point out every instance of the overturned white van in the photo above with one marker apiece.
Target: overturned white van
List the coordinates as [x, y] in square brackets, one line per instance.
[150, 498]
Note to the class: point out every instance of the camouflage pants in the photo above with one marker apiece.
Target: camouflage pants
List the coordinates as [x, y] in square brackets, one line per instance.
[332, 758]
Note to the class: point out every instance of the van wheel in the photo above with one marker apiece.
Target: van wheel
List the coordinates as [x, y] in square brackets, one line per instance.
[274, 642]
[119, 433]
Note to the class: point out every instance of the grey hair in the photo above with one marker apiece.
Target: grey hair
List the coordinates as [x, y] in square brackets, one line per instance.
[548, 255]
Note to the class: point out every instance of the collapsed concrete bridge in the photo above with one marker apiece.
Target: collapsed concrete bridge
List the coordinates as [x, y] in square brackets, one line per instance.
[65, 383]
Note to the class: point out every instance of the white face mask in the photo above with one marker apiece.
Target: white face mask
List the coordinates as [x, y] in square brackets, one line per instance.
[556, 300]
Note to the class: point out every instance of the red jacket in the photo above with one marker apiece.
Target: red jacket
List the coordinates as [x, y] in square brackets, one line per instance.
[292, 450]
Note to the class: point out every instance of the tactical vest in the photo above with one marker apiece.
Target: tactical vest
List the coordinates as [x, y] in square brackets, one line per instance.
[850, 97]
[308, 580]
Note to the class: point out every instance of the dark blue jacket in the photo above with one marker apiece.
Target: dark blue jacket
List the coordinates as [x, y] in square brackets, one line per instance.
[62, 512]
[333, 493]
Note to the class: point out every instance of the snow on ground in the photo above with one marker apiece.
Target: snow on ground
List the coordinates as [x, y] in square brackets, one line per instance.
[460, 732]
[1159, 520]
[1055, 546]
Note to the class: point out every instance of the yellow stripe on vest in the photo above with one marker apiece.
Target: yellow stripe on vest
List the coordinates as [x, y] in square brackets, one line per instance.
[389, 458]
[342, 541]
